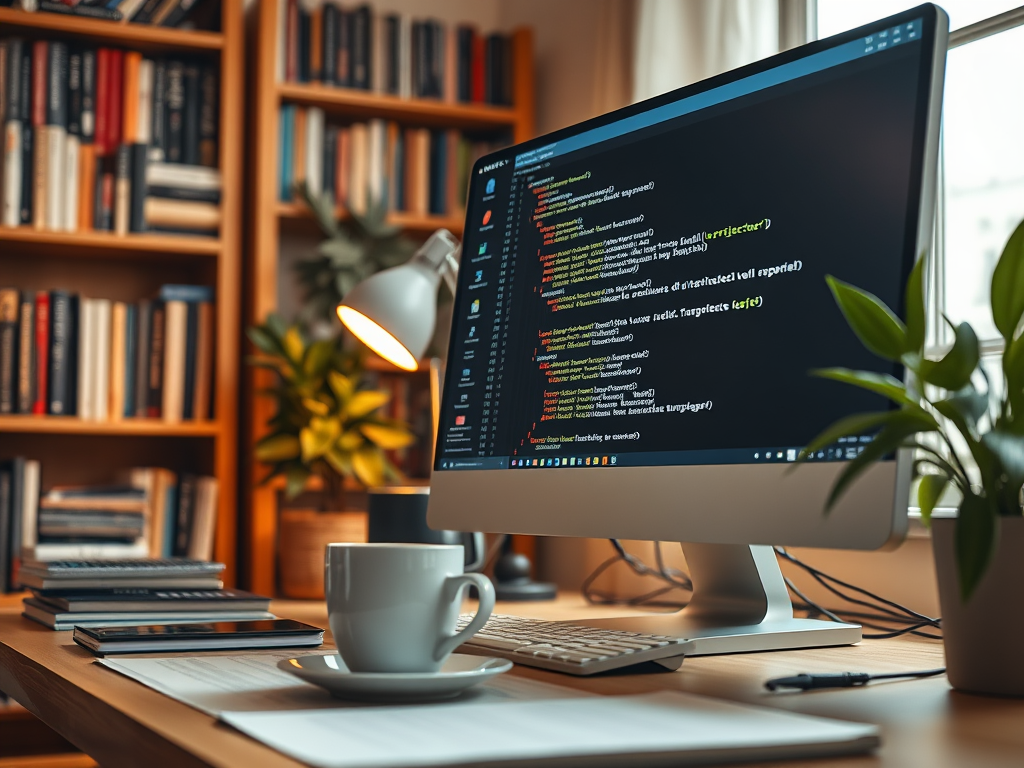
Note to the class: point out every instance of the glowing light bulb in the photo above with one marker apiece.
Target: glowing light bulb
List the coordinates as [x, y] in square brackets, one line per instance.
[377, 339]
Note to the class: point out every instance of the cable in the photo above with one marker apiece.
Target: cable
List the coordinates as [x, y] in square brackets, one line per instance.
[805, 682]
[674, 580]
[883, 610]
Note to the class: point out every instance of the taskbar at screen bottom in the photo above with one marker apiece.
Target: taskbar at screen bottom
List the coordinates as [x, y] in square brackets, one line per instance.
[844, 450]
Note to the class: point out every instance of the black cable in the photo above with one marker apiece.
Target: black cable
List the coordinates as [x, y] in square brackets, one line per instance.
[805, 682]
[673, 578]
[915, 621]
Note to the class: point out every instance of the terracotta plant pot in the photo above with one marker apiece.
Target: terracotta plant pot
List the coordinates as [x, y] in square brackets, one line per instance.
[302, 544]
[983, 637]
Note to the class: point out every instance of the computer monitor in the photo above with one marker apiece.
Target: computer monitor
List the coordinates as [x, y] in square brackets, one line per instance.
[641, 300]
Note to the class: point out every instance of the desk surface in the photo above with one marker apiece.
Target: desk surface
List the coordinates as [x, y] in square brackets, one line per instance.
[924, 723]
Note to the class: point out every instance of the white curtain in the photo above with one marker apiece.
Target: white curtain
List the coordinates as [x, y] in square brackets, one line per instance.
[678, 42]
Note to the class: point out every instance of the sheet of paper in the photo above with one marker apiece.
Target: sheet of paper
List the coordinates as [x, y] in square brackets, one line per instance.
[252, 682]
[662, 728]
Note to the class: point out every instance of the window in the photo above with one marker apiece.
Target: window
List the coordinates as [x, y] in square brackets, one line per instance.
[981, 198]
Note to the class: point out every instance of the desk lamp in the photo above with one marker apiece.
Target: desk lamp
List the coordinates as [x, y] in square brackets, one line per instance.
[394, 312]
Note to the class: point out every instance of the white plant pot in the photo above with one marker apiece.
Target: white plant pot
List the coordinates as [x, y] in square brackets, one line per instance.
[984, 637]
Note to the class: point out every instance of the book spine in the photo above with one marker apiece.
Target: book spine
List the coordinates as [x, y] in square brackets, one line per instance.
[118, 348]
[71, 183]
[9, 306]
[42, 351]
[209, 92]
[190, 116]
[40, 60]
[60, 326]
[360, 75]
[174, 361]
[26, 355]
[155, 369]
[5, 527]
[343, 66]
[87, 119]
[137, 192]
[74, 92]
[303, 48]
[315, 47]
[392, 57]
[14, 121]
[73, 356]
[158, 120]
[87, 358]
[145, 102]
[131, 351]
[130, 88]
[145, 319]
[175, 105]
[178, 14]
[183, 522]
[123, 190]
[86, 186]
[115, 100]
[191, 342]
[101, 108]
[285, 152]
[144, 15]
[329, 156]
[203, 381]
[183, 193]
[329, 44]
[101, 371]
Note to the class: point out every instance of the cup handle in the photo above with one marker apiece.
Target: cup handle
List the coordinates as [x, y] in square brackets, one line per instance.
[483, 612]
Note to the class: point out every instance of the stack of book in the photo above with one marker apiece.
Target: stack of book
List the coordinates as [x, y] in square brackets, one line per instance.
[159, 13]
[417, 170]
[89, 593]
[62, 354]
[148, 512]
[81, 126]
[324, 42]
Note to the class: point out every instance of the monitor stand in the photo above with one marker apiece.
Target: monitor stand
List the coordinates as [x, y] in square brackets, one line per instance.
[740, 604]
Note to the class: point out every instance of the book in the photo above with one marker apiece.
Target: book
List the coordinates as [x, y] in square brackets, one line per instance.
[118, 350]
[31, 476]
[155, 368]
[191, 343]
[166, 214]
[237, 634]
[14, 121]
[26, 354]
[204, 519]
[208, 109]
[62, 326]
[190, 114]
[162, 174]
[131, 352]
[138, 157]
[77, 569]
[41, 141]
[6, 516]
[42, 613]
[101, 381]
[174, 105]
[42, 321]
[10, 305]
[37, 581]
[123, 189]
[172, 406]
[15, 470]
[87, 364]
[158, 120]
[142, 599]
[67, 525]
[145, 318]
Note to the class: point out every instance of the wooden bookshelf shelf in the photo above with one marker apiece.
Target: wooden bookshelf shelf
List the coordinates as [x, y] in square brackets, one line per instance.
[140, 37]
[92, 244]
[70, 425]
[426, 112]
[410, 222]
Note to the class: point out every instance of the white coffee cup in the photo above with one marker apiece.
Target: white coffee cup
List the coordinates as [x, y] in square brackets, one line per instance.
[394, 607]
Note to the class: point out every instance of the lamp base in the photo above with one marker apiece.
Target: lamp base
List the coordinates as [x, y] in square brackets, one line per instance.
[512, 580]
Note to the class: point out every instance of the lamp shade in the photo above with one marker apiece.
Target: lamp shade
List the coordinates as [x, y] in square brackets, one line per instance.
[394, 311]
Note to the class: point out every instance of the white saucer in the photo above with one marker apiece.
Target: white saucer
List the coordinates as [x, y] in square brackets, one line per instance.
[459, 672]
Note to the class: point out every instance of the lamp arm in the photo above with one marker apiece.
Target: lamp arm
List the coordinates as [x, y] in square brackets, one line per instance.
[450, 269]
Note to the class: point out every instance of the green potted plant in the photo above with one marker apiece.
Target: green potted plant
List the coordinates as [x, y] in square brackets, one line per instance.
[356, 246]
[976, 450]
[325, 426]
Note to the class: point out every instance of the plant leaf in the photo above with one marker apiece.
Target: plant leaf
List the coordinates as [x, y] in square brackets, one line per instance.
[1013, 370]
[914, 302]
[318, 357]
[882, 383]
[368, 464]
[928, 494]
[341, 252]
[388, 438]
[293, 345]
[318, 437]
[975, 542]
[1009, 450]
[851, 425]
[1008, 285]
[364, 402]
[874, 323]
[341, 385]
[316, 407]
[295, 478]
[350, 440]
[276, 448]
[263, 341]
[954, 370]
[340, 462]
[898, 428]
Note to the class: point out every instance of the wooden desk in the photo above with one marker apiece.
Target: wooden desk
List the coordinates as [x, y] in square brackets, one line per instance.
[122, 723]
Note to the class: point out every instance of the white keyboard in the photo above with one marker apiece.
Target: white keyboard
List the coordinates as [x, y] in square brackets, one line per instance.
[571, 648]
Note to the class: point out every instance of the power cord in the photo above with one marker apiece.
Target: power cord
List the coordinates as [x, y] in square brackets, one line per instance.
[805, 682]
[673, 579]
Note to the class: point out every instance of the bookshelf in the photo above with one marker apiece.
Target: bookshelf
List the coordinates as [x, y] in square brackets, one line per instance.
[271, 221]
[132, 267]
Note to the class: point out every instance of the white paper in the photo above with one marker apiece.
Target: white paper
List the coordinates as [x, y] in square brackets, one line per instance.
[663, 727]
[252, 682]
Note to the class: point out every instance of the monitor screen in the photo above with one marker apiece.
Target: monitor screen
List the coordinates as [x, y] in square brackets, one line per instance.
[648, 289]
